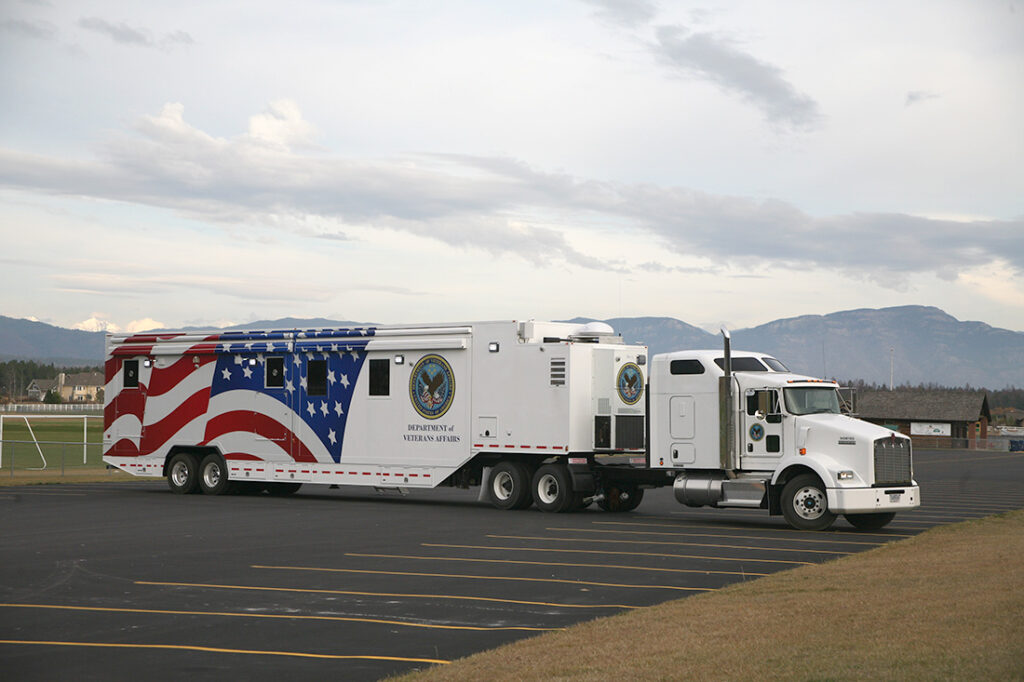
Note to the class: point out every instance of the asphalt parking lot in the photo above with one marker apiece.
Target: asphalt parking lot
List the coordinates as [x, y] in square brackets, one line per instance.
[126, 580]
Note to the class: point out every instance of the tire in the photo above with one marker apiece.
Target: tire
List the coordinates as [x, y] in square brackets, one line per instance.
[509, 486]
[213, 476]
[873, 521]
[283, 489]
[805, 504]
[552, 489]
[621, 499]
[183, 473]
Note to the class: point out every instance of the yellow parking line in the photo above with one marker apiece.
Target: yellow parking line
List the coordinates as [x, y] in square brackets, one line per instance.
[554, 563]
[717, 535]
[679, 523]
[665, 542]
[386, 594]
[608, 551]
[218, 650]
[475, 577]
[236, 614]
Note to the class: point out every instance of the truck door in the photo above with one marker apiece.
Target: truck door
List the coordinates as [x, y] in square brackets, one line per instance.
[762, 429]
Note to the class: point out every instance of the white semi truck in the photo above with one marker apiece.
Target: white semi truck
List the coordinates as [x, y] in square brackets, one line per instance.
[556, 415]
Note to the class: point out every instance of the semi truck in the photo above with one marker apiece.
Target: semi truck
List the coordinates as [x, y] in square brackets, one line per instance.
[548, 414]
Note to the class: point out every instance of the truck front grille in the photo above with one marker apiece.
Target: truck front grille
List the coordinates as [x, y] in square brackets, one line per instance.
[893, 461]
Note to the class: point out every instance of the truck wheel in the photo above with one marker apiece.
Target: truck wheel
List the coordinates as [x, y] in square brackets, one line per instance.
[283, 489]
[621, 499]
[872, 521]
[183, 473]
[213, 475]
[805, 504]
[509, 486]
[552, 488]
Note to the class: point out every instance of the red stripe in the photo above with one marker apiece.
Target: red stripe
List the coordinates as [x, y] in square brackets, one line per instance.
[123, 448]
[242, 456]
[155, 435]
[255, 422]
[133, 350]
[128, 401]
[163, 380]
[111, 368]
[541, 447]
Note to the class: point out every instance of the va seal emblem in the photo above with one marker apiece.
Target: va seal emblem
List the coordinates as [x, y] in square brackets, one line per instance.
[630, 383]
[432, 386]
[756, 432]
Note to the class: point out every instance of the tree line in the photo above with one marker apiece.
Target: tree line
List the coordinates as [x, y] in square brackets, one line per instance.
[1004, 397]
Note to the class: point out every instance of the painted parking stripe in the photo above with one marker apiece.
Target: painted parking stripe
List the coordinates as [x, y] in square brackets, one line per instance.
[609, 551]
[479, 577]
[713, 535]
[742, 525]
[218, 650]
[286, 616]
[261, 588]
[668, 542]
[554, 563]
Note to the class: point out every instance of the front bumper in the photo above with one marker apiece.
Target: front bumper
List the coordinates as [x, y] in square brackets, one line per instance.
[867, 500]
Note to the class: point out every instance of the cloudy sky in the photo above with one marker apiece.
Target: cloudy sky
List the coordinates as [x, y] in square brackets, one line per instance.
[403, 161]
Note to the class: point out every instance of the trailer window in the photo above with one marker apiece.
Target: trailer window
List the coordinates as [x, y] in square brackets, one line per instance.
[316, 377]
[747, 364]
[275, 373]
[686, 367]
[380, 377]
[131, 373]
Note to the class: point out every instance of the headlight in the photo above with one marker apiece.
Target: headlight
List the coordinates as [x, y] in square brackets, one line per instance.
[845, 476]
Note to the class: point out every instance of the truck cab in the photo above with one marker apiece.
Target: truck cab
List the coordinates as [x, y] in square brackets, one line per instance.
[742, 430]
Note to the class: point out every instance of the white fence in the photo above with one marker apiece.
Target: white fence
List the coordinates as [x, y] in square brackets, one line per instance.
[44, 408]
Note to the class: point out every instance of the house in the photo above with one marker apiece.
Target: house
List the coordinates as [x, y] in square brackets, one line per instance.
[930, 418]
[82, 387]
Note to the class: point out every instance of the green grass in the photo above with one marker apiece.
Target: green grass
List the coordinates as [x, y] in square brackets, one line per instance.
[59, 439]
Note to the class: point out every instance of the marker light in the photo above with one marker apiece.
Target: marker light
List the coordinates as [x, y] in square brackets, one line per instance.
[845, 476]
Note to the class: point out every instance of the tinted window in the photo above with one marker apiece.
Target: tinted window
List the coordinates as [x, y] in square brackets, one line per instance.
[131, 373]
[275, 373]
[775, 364]
[686, 367]
[316, 377]
[380, 377]
[741, 364]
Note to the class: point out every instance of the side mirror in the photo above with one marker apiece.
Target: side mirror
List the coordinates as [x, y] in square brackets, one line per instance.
[759, 415]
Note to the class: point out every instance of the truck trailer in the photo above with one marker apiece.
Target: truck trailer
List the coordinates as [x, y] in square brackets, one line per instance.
[557, 415]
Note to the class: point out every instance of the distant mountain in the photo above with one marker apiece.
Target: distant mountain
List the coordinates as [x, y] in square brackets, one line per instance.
[929, 346]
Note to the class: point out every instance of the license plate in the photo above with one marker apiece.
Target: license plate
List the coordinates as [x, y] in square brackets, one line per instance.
[895, 497]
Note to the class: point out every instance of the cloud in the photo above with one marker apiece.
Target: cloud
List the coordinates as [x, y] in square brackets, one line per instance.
[41, 30]
[99, 322]
[716, 59]
[497, 205]
[127, 35]
[918, 96]
[628, 13]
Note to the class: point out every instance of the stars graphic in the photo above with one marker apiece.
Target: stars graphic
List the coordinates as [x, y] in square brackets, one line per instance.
[337, 408]
[331, 436]
[226, 374]
[330, 377]
[302, 383]
[289, 386]
[298, 360]
[310, 409]
[238, 359]
[323, 408]
[247, 372]
[344, 380]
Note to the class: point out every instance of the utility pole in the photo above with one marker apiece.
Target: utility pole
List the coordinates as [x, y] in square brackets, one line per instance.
[892, 356]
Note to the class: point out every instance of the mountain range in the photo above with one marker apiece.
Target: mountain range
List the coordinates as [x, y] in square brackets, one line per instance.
[924, 344]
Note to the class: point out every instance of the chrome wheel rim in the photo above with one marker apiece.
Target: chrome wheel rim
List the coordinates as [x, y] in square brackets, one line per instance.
[211, 475]
[179, 473]
[809, 503]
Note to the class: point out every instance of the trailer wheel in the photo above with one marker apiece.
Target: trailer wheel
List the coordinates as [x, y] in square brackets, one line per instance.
[283, 489]
[183, 473]
[552, 488]
[509, 486]
[872, 521]
[621, 499]
[805, 504]
[213, 475]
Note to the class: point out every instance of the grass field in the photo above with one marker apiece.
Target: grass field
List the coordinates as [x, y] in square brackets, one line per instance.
[59, 438]
[944, 605]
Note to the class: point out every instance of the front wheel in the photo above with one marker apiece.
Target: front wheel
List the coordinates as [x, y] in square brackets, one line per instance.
[873, 521]
[183, 473]
[552, 489]
[621, 499]
[805, 504]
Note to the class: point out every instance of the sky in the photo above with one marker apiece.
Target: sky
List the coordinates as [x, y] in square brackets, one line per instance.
[392, 161]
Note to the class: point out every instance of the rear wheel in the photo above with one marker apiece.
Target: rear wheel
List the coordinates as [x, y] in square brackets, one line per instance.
[213, 475]
[805, 504]
[552, 488]
[509, 486]
[183, 473]
[873, 521]
[621, 498]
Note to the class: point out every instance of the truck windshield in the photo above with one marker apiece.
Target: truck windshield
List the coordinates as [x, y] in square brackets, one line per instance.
[812, 400]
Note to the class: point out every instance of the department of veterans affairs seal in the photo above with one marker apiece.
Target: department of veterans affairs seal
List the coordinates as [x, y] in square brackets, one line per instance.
[630, 383]
[432, 386]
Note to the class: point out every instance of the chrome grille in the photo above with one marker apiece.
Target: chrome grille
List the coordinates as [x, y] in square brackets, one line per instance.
[893, 461]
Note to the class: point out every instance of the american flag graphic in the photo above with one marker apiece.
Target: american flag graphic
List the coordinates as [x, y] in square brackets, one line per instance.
[197, 390]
